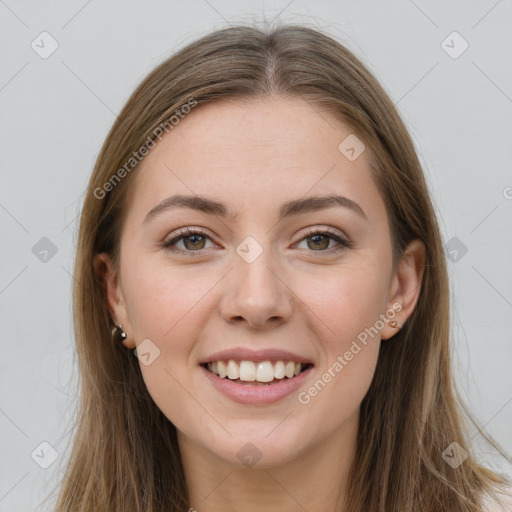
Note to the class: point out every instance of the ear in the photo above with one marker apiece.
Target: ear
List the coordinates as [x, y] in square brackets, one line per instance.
[406, 286]
[104, 269]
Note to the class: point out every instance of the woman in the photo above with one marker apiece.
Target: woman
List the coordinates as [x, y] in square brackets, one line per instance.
[258, 227]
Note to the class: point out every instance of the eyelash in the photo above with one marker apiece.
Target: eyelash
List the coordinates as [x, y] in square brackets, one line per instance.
[187, 232]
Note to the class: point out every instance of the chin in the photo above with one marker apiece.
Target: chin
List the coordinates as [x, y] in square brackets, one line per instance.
[260, 450]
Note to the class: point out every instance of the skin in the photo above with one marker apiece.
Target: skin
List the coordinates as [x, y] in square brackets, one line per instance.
[254, 156]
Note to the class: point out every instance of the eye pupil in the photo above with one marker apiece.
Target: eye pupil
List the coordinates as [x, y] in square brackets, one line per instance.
[194, 246]
[315, 242]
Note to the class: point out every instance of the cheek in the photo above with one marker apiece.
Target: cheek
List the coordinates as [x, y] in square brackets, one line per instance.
[345, 302]
[167, 304]
[170, 306]
[346, 308]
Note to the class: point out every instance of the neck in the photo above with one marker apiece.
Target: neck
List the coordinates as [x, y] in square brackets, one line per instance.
[315, 480]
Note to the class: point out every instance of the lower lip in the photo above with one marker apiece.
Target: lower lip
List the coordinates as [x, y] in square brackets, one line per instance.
[256, 394]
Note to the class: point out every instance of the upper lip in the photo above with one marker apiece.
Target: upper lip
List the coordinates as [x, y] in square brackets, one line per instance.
[247, 354]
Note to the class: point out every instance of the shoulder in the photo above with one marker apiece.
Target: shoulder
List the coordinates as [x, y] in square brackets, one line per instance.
[505, 497]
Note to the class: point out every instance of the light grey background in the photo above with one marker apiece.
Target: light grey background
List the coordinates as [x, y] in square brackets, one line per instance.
[56, 112]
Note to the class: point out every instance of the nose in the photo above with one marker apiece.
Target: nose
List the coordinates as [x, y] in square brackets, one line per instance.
[257, 293]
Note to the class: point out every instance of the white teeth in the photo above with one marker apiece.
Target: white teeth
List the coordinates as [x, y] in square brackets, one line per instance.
[290, 369]
[279, 372]
[247, 371]
[233, 371]
[261, 371]
[221, 368]
[265, 371]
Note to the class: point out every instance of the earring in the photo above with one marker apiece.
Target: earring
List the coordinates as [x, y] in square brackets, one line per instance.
[394, 324]
[118, 334]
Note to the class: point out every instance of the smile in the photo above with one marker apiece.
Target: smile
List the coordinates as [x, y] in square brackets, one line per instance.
[265, 382]
[256, 372]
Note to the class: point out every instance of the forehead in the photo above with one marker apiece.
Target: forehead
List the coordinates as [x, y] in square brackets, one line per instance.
[255, 154]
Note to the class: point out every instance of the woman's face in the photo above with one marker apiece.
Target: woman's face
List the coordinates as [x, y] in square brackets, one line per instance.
[255, 286]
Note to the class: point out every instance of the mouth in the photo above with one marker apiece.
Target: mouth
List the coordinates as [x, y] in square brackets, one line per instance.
[256, 373]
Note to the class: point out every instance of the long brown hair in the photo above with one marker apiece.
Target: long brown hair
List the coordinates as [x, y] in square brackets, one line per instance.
[125, 455]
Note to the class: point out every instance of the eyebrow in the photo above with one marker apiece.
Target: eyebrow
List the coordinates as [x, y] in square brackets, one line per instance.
[288, 209]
